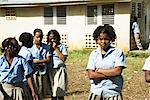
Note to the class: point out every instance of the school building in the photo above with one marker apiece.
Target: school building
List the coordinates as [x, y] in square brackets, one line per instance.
[76, 20]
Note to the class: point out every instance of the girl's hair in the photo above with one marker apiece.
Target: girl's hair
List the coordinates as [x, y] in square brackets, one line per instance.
[25, 38]
[56, 35]
[10, 43]
[38, 30]
[109, 30]
[134, 19]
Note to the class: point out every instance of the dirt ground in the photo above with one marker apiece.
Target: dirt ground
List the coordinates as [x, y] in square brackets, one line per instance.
[134, 89]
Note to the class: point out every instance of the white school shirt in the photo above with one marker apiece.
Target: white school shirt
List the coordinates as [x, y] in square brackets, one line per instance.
[135, 27]
[25, 53]
[40, 53]
[56, 60]
[111, 86]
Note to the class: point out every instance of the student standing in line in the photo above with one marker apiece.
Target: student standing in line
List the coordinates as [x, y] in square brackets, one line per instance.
[57, 69]
[13, 68]
[26, 40]
[136, 31]
[105, 66]
[41, 56]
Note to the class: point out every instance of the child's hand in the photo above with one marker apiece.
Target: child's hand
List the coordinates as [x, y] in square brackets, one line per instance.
[35, 97]
[54, 45]
[35, 60]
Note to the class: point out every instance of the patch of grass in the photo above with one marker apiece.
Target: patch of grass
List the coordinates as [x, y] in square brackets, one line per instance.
[77, 76]
[79, 57]
[143, 54]
[134, 65]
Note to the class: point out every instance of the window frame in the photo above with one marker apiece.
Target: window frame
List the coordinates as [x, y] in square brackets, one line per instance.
[10, 13]
[108, 13]
[48, 15]
[61, 14]
[92, 14]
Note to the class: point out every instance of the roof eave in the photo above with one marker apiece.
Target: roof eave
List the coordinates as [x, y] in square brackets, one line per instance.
[78, 2]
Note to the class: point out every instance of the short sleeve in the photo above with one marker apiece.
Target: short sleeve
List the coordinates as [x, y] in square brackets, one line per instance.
[147, 64]
[64, 50]
[120, 58]
[28, 69]
[91, 63]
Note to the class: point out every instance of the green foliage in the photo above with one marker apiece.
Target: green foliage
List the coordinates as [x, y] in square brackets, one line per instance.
[143, 54]
[79, 57]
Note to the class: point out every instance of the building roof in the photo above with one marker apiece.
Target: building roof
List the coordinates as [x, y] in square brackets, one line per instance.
[24, 3]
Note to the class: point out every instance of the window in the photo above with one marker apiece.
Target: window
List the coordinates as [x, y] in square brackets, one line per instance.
[136, 9]
[92, 14]
[10, 14]
[108, 14]
[133, 9]
[48, 15]
[139, 5]
[61, 15]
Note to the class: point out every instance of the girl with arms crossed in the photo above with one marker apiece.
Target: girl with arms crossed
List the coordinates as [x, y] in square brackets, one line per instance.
[105, 66]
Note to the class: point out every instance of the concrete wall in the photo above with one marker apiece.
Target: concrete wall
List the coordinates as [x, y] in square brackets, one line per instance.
[122, 25]
[76, 28]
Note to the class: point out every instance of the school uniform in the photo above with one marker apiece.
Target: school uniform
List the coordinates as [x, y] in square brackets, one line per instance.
[11, 78]
[26, 54]
[39, 53]
[108, 88]
[57, 74]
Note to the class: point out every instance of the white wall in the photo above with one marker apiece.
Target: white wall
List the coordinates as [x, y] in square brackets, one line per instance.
[122, 25]
[30, 18]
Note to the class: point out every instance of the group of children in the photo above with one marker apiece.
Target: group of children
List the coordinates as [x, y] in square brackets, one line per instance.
[25, 68]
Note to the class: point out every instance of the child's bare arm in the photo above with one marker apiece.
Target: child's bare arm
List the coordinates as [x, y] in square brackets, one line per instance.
[110, 72]
[42, 60]
[147, 75]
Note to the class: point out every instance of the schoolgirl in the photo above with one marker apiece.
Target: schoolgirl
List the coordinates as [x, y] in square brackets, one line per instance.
[56, 70]
[41, 55]
[105, 66]
[26, 40]
[13, 68]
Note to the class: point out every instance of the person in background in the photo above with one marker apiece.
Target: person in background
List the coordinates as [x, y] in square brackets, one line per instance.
[105, 66]
[13, 69]
[136, 31]
[41, 56]
[56, 72]
[26, 40]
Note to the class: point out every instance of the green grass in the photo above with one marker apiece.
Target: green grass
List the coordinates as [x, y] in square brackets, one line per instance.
[78, 56]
